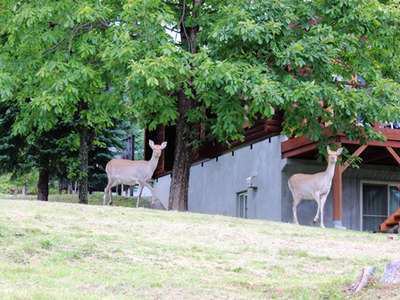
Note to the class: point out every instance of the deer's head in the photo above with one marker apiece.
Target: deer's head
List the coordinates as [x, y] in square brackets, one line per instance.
[157, 149]
[333, 155]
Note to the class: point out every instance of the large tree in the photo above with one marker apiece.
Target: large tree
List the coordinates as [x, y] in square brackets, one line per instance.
[53, 67]
[221, 63]
[22, 153]
[218, 63]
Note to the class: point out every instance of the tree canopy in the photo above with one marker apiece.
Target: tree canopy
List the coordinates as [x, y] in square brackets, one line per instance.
[221, 63]
[53, 68]
[254, 57]
[215, 62]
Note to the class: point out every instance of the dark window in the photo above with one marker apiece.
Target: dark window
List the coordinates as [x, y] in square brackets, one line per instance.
[241, 204]
[394, 199]
[375, 205]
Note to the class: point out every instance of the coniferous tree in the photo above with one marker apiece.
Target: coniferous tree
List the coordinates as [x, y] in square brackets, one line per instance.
[53, 65]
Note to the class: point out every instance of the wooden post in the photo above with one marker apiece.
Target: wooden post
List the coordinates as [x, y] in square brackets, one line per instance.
[338, 187]
[337, 196]
[394, 154]
[356, 153]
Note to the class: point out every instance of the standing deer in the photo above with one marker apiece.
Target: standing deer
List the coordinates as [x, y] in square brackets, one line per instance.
[314, 186]
[131, 172]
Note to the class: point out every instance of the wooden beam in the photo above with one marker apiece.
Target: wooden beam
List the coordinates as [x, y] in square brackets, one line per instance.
[390, 143]
[356, 153]
[390, 134]
[295, 143]
[337, 193]
[394, 154]
[298, 151]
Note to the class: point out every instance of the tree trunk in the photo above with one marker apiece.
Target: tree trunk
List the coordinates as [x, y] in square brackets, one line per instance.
[43, 182]
[178, 195]
[84, 165]
[25, 189]
[70, 188]
[62, 185]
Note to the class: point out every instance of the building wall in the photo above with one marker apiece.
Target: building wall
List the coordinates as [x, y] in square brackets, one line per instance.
[214, 184]
[161, 189]
[352, 180]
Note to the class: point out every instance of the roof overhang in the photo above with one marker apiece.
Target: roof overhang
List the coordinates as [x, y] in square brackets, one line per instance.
[377, 152]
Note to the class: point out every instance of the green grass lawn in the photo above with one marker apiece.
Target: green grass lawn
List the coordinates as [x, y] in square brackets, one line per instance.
[69, 251]
[94, 199]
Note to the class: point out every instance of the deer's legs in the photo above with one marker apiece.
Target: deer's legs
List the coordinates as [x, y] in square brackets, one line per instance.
[317, 198]
[316, 218]
[323, 200]
[140, 194]
[110, 200]
[295, 203]
[107, 192]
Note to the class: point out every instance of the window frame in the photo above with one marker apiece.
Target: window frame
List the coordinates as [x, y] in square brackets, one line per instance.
[245, 206]
[388, 185]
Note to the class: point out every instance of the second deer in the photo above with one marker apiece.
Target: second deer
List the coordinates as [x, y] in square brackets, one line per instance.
[314, 186]
[131, 172]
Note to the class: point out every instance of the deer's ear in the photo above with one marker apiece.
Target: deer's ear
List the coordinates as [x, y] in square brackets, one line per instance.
[163, 145]
[151, 144]
[328, 150]
[339, 151]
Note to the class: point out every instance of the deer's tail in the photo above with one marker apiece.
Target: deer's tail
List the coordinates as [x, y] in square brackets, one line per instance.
[290, 185]
[108, 167]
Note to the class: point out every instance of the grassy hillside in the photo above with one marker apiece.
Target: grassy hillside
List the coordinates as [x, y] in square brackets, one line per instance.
[70, 251]
[94, 199]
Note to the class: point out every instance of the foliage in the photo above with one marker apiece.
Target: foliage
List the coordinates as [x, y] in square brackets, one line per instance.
[253, 58]
[10, 182]
[53, 69]
[257, 57]
[20, 154]
[61, 73]
[12, 148]
[219, 63]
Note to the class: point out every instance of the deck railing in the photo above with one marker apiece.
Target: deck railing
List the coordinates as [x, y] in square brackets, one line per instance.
[392, 125]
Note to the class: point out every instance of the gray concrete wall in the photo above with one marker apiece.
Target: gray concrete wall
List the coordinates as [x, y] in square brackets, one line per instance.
[352, 180]
[161, 189]
[214, 184]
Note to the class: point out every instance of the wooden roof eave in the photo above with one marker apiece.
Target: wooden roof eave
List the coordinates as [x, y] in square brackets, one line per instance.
[296, 147]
